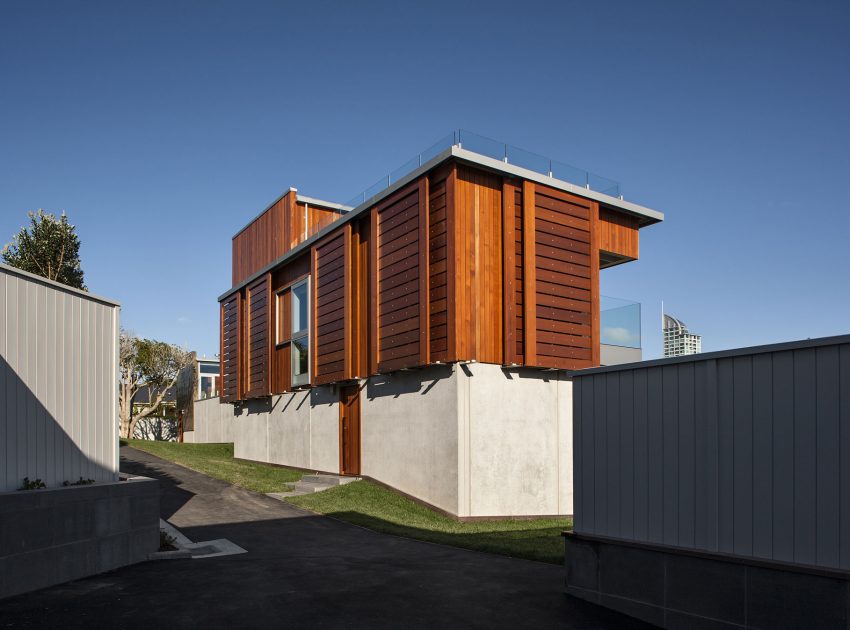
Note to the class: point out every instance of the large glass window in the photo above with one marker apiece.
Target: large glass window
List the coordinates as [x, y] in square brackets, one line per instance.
[300, 346]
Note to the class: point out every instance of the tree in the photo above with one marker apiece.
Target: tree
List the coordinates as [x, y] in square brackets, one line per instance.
[145, 363]
[50, 248]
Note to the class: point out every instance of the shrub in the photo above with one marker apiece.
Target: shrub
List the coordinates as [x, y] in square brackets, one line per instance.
[166, 541]
[38, 484]
[81, 482]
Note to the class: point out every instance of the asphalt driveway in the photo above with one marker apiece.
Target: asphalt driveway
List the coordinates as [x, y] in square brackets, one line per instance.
[302, 571]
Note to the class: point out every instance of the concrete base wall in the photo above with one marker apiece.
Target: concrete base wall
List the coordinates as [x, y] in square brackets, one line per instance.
[676, 588]
[473, 440]
[298, 429]
[616, 355]
[515, 441]
[60, 534]
[213, 422]
[409, 433]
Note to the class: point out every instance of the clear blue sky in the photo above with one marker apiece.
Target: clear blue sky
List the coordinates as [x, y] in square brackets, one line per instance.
[162, 127]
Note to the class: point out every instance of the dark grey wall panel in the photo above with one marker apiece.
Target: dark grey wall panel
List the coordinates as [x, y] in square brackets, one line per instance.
[745, 452]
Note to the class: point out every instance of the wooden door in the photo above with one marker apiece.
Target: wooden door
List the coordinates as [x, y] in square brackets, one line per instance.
[349, 430]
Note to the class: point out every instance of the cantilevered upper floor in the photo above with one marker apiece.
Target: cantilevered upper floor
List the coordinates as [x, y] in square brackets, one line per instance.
[472, 251]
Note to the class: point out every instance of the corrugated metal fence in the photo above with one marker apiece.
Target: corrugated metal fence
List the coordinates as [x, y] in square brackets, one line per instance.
[745, 452]
[58, 382]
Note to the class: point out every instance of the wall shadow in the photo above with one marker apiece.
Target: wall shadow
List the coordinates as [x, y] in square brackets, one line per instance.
[36, 445]
[404, 382]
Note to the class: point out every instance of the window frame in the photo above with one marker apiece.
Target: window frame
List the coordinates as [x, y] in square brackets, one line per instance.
[280, 317]
[306, 334]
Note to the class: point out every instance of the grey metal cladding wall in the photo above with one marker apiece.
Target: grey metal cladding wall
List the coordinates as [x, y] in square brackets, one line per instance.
[58, 382]
[743, 452]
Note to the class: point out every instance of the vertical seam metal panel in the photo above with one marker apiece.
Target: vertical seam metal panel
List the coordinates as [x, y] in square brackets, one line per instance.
[744, 454]
[59, 373]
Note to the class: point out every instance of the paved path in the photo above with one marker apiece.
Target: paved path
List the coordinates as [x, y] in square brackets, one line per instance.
[302, 571]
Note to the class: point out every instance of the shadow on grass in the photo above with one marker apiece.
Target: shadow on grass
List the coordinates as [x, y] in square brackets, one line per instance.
[541, 544]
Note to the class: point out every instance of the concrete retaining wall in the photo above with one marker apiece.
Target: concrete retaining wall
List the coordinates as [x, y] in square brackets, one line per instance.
[677, 589]
[213, 422]
[60, 534]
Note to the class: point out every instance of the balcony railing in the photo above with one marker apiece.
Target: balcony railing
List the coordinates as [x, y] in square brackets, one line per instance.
[498, 151]
[619, 322]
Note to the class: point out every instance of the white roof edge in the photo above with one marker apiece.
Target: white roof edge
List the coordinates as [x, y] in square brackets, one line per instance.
[653, 216]
[325, 204]
[57, 285]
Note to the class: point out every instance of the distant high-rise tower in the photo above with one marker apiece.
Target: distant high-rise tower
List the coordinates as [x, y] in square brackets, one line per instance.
[678, 341]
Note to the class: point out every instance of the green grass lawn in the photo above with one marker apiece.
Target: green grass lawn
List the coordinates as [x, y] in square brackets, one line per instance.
[216, 460]
[372, 506]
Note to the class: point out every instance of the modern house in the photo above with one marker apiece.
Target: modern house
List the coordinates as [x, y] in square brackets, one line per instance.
[422, 335]
[197, 381]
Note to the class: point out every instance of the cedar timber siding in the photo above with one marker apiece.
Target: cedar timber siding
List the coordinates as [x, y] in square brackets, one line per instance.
[258, 338]
[478, 261]
[230, 332]
[437, 270]
[560, 297]
[398, 289]
[277, 230]
[618, 234]
[512, 275]
[307, 219]
[332, 260]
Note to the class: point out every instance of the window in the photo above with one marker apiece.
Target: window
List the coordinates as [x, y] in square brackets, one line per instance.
[300, 346]
[282, 317]
[209, 368]
[208, 387]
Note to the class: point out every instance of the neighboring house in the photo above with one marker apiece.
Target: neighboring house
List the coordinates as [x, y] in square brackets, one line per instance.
[200, 417]
[167, 408]
[424, 337]
[161, 424]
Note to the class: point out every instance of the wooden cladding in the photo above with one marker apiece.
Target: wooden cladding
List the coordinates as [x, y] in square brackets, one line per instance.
[229, 353]
[258, 338]
[560, 296]
[512, 271]
[437, 268]
[618, 233]
[398, 284]
[478, 265]
[332, 261]
[281, 227]
[460, 264]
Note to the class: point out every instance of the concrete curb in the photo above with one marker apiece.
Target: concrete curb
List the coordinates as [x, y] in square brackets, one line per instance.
[187, 549]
